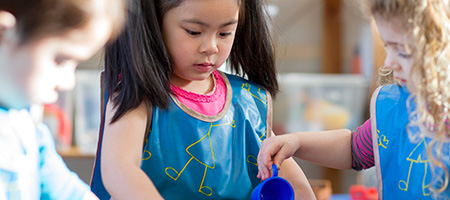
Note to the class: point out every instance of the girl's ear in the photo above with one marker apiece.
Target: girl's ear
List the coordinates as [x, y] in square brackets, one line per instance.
[7, 23]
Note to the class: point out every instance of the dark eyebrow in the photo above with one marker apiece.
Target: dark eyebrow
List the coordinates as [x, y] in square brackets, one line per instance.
[229, 23]
[195, 21]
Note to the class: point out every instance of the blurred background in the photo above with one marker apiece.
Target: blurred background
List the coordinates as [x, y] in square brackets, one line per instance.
[328, 52]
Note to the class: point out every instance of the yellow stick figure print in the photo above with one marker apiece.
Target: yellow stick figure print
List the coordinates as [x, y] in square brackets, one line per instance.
[206, 138]
[416, 157]
[251, 158]
[262, 97]
[382, 141]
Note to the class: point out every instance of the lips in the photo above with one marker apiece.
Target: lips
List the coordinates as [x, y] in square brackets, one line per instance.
[206, 64]
[204, 67]
[401, 80]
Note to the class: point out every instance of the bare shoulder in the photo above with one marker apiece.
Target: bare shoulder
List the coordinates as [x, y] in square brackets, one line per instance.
[124, 139]
[134, 116]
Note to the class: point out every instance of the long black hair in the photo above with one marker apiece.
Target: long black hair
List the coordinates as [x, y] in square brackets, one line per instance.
[138, 66]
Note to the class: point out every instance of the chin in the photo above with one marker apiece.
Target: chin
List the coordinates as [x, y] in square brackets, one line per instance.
[48, 99]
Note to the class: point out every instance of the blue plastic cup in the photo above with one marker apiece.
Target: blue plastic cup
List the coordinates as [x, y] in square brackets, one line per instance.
[273, 188]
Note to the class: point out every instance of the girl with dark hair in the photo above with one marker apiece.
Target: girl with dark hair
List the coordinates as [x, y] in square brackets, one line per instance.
[206, 126]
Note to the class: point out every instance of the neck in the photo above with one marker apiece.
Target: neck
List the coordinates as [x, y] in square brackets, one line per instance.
[199, 87]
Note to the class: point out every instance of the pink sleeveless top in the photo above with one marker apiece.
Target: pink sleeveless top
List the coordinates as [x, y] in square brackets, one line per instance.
[208, 104]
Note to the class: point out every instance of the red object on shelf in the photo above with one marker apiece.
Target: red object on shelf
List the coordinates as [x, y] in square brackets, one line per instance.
[64, 132]
[356, 62]
[360, 192]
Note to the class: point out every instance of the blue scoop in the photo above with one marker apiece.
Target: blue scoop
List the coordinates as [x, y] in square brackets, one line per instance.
[273, 188]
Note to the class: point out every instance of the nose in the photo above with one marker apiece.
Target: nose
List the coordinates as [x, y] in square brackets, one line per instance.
[390, 61]
[209, 46]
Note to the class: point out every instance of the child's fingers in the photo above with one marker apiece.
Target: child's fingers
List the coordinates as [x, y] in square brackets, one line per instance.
[263, 171]
[280, 157]
[284, 152]
[267, 151]
[278, 160]
[274, 150]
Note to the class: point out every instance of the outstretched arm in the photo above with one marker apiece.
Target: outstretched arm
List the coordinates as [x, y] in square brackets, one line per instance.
[327, 148]
[121, 156]
[57, 181]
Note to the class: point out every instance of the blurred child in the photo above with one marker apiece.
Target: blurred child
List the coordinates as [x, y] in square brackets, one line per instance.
[41, 43]
[206, 126]
[407, 137]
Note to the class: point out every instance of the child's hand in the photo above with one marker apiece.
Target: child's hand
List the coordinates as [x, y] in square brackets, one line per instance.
[274, 150]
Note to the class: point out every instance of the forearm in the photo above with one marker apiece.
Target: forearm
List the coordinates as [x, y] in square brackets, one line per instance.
[121, 156]
[129, 182]
[327, 148]
[292, 172]
[57, 181]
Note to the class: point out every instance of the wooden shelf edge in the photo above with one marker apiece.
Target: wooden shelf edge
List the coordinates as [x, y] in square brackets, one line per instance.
[74, 152]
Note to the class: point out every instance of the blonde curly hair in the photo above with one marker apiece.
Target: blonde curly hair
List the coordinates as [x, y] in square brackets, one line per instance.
[428, 24]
